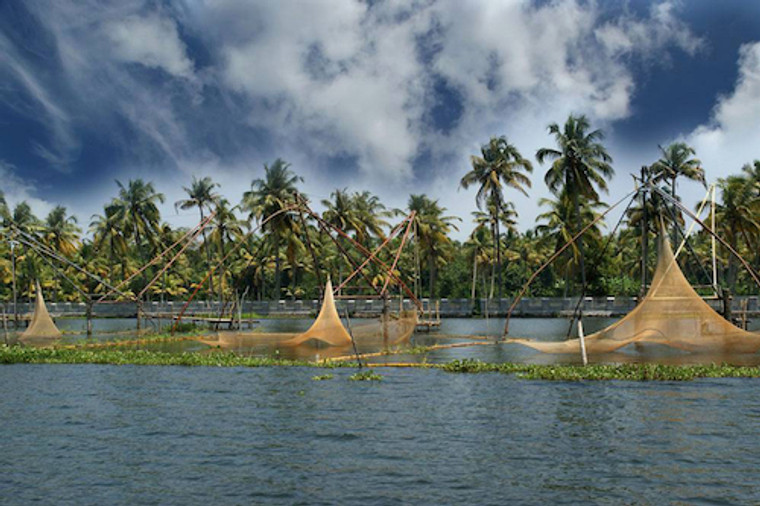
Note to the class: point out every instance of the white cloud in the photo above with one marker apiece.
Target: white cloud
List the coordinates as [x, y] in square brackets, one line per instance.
[18, 190]
[152, 41]
[732, 137]
[343, 78]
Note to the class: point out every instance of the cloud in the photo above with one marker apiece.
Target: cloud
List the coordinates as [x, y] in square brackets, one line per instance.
[730, 139]
[38, 101]
[347, 91]
[152, 41]
[19, 190]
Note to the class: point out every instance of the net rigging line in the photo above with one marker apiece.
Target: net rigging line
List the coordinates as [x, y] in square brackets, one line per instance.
[577, 312]
[557, 254]
[745, 264]
[31, 242]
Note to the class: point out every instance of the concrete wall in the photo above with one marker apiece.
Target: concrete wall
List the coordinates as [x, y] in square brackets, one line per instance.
[449, 308]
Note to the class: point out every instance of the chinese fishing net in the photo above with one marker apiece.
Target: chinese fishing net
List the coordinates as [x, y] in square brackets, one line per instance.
[671, 314]
[41, 327]
[328, 330]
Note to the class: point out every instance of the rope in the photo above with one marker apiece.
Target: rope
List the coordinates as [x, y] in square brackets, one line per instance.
[577, 312]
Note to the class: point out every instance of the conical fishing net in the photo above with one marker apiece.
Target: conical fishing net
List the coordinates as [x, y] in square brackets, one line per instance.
[41, 326]
[328, 329]
[671, 314]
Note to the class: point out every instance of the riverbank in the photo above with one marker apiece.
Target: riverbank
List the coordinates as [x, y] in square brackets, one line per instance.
[528, 307]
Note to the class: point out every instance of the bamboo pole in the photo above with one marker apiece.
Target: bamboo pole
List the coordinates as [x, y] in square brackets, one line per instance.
[582, 339]
[5, 326]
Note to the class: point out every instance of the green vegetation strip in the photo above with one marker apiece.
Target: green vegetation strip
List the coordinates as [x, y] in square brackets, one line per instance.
[628, 372]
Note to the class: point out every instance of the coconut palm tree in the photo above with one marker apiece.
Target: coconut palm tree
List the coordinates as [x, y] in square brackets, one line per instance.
[477, 246]
[107, 233]
[270, 195]
[500, 165]
[341, 212]
[580, 165]
[431, 228]
[737, 216]
[227, 228]
[60, 231]
[201, 194]
[370, 215]
[677, 160]
[136, 208]
[558, 229]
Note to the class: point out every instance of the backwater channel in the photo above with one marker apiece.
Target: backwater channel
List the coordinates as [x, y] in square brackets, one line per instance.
[99, 434]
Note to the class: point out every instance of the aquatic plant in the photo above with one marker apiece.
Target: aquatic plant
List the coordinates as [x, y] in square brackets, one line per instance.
[596, 372]
[322, 377]
[366, 375]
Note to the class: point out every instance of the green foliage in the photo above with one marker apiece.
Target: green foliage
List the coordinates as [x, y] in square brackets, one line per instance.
[624, 372]
[365, 375]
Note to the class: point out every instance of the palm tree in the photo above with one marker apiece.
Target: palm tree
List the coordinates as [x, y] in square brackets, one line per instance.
[477, 246]
[5, 214]
[201, 194]
[431, 228]
[557, 229]
[60, 232]
[136, 208]
[677, 160]
[270, 195]
[341, 212]
[370, 213]
[227, 228]
[499, 165]
[107, 231]
[737, 216]
[581, 164]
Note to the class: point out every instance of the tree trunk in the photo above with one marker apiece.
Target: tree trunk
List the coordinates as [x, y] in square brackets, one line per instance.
[277, 284]
[497, 245]
[674, 233]
[208, 258]
[433, 268]
[474, 275]
[579, 227]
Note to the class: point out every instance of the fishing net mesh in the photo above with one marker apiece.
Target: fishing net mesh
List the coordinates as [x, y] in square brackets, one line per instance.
[672, 314]
[41, 326]
[328, 329]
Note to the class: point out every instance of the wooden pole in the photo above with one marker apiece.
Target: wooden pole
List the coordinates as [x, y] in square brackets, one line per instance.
[712, 240]
[353, 341]
[644, 233]
[582, 339]
[15, 293]
[5, 326]
[88, 314]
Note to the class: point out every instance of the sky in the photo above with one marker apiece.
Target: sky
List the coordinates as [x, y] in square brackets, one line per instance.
[389, 96]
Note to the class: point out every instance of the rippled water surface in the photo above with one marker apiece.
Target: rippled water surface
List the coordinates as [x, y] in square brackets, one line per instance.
[89, 434]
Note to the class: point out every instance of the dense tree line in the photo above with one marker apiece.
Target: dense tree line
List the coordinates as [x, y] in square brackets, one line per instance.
[278, 259]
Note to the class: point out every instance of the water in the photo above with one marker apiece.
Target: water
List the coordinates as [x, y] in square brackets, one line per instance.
[90, 434]
[453, 330]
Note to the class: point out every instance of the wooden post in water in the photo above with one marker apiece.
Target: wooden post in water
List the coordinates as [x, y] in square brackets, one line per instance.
[88, 314]
[644, 233]
[5, 326]
[583, 342]
[386, 317]
[726, 297]
[13, 269]
[139, 315]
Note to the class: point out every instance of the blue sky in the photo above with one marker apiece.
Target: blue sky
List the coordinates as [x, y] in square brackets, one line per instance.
[390, 96]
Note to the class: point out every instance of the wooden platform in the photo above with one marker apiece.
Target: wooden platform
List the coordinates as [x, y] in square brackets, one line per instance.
[209, 320]
[428, 325]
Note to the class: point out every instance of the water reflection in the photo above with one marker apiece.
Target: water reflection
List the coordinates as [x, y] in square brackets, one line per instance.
[452, 331]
